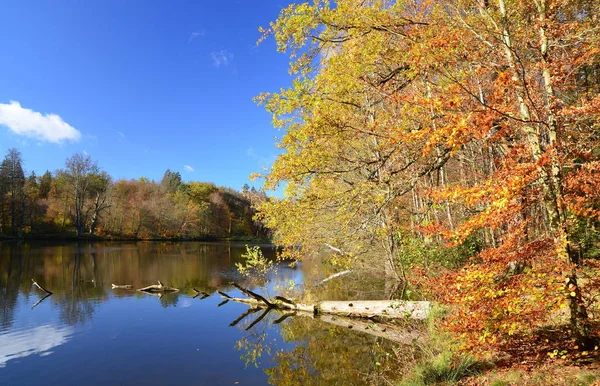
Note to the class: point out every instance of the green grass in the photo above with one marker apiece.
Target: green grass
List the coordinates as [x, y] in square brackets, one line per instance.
[440, 364]
[444, 368]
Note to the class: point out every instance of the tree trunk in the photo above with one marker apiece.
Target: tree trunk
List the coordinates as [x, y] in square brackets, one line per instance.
[555, 202]
[551, 179]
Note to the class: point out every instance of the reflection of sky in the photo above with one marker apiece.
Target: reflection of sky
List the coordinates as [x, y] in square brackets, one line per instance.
[39, 340]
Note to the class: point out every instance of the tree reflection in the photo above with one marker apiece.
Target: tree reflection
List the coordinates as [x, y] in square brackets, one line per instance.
[320, 353]
[81, 274]
[9, 283]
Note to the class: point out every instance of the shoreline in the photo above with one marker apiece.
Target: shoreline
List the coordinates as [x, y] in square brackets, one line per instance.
[68, 237]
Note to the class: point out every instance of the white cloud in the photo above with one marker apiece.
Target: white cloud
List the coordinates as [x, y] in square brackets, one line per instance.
[121, 134]
[188, 168]
[194, 35]
[31, 124]
[221, 58]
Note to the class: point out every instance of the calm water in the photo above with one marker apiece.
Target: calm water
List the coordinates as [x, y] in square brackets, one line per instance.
[87, 333]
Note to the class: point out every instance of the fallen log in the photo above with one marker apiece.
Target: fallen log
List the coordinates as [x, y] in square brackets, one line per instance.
[391, 309]
[126, 286]
[158, 288]
[388, 309]
[41, 288]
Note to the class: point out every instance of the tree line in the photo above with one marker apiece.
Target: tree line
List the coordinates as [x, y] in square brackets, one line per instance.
[83, 200]
[459, 139]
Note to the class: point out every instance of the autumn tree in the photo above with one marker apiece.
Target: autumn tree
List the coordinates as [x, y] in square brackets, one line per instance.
[80, 175]
[83, 197]
[171, 181]
[45, 183]
[100, 190]
[454, 119]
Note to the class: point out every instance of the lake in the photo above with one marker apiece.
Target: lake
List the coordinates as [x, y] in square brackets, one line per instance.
[88, 333]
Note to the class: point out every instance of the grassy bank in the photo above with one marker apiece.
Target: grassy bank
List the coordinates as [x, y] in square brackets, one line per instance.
[532, 362]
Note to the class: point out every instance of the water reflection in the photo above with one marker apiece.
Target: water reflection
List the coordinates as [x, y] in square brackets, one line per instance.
[94, 331]
[322, 350]
[81, 274]
[38, 340]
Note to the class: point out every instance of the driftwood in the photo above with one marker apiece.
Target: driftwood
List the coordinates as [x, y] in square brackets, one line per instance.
[125, 286]
[158, 288]
[41, 288]
[389, 309]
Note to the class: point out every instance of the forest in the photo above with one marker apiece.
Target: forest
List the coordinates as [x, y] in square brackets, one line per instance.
[453, 145]
[82, 200]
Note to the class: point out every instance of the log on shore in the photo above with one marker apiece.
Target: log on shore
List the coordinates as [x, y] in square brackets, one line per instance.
[392, 309]
[158, 288]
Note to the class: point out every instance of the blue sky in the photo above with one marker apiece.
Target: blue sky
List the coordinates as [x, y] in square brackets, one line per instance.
[140, 85]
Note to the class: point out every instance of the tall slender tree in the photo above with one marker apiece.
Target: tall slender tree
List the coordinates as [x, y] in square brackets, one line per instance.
[13, 178]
